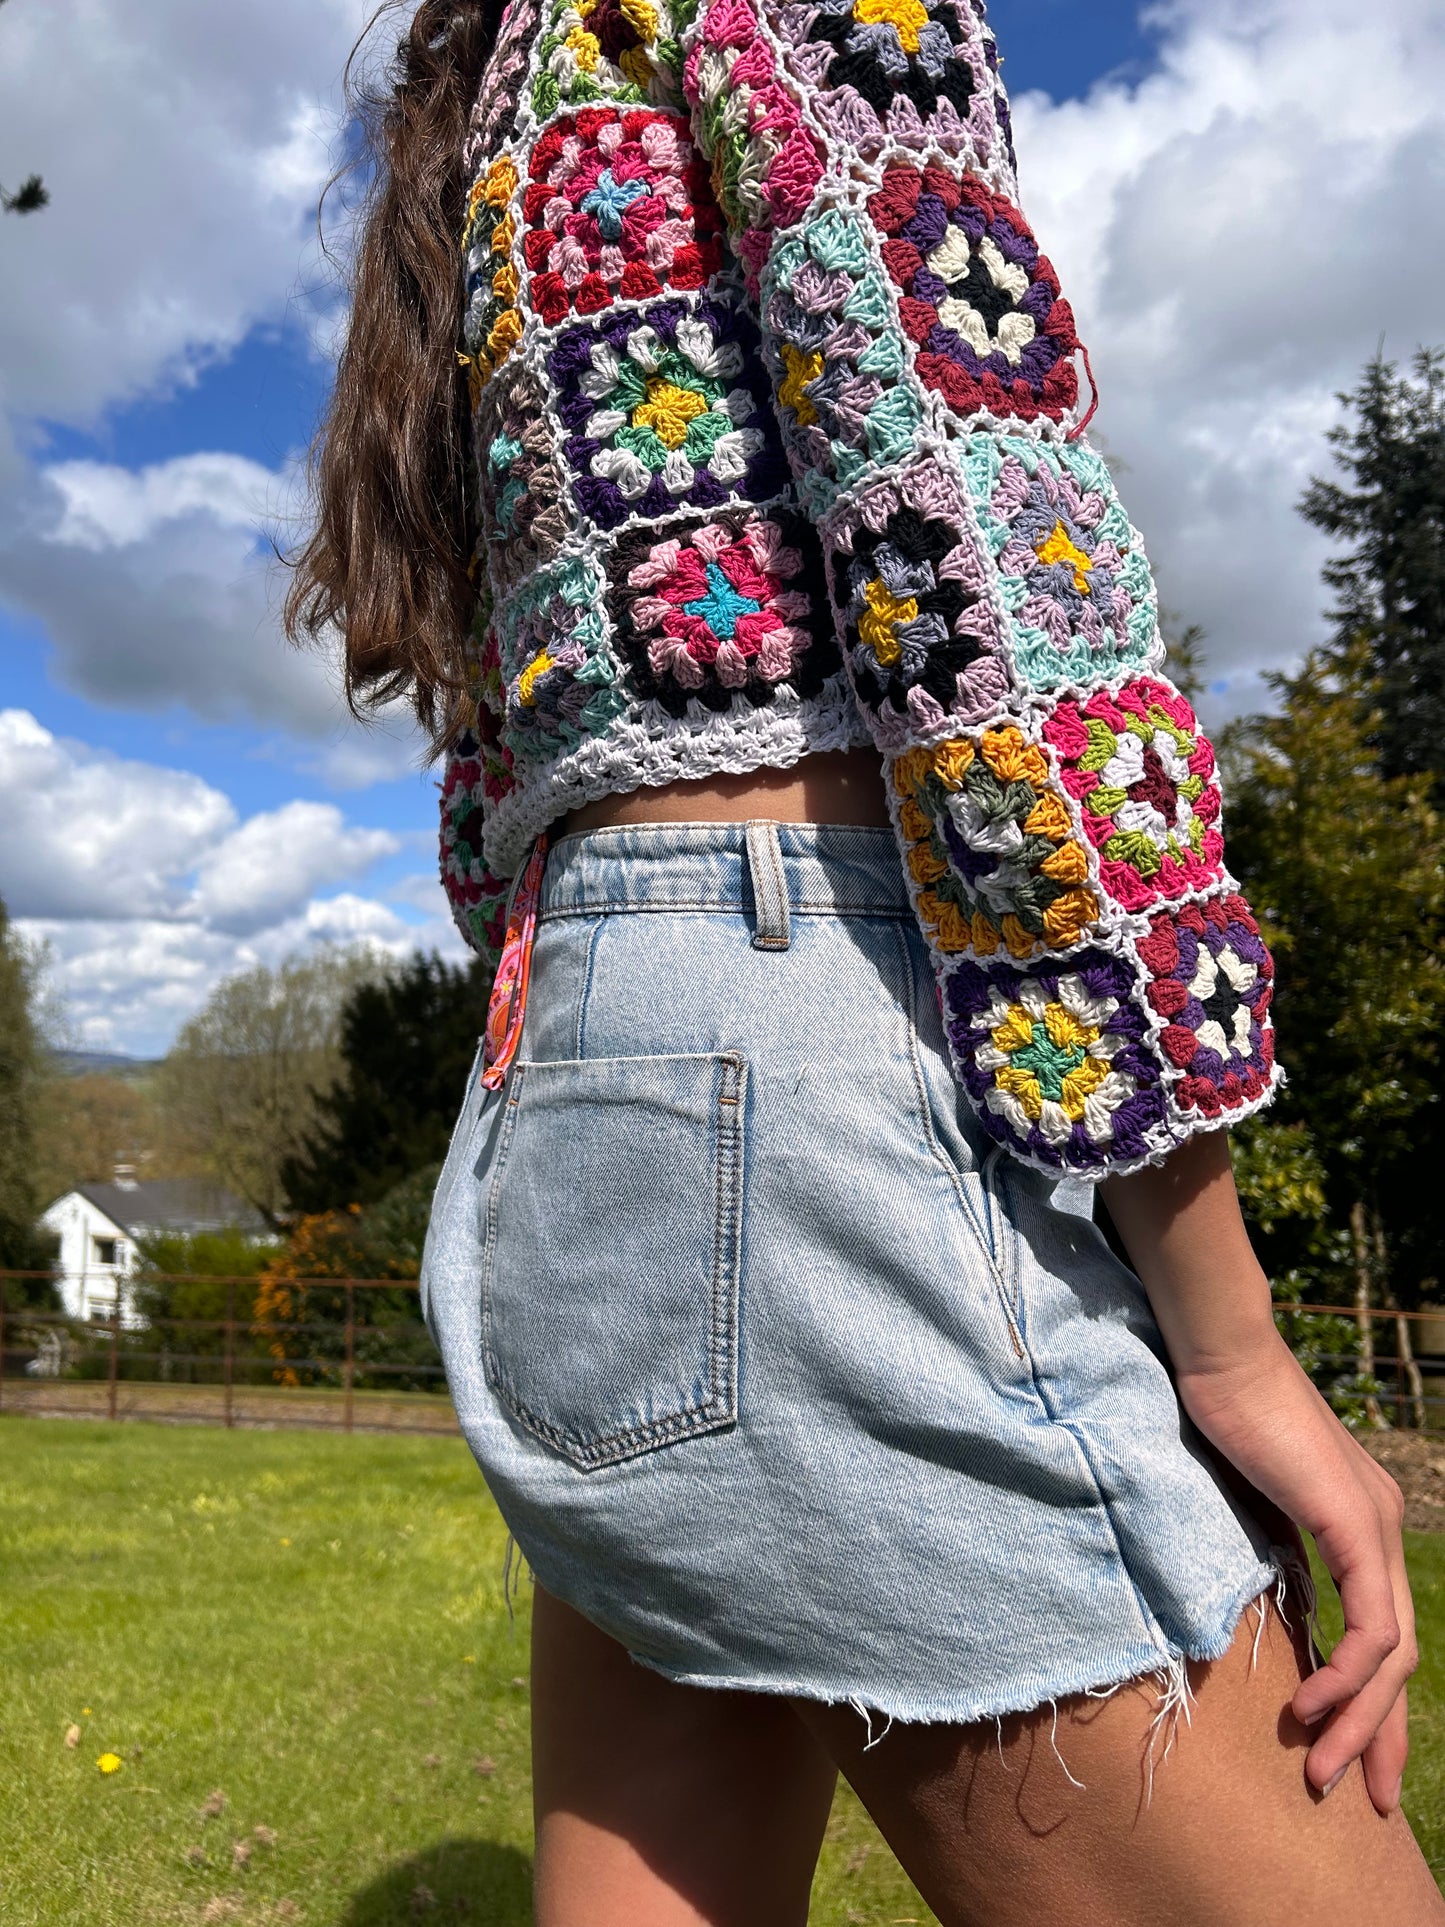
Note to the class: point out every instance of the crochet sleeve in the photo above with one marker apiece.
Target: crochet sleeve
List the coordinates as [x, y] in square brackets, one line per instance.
[1104, 987]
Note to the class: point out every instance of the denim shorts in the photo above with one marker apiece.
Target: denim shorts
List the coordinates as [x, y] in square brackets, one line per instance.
[779, 1371]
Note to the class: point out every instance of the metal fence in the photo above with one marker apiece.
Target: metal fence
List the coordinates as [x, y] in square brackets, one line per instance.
[337, 1366]
[361, 1359]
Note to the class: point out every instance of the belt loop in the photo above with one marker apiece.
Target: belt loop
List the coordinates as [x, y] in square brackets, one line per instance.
[770, 887]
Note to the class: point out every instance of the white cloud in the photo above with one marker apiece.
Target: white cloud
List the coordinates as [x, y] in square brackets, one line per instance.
[184, 148]
[1237, 232]
[107, 507]
[263, 869]
[94, 836]
[148, 889]
[157, 588]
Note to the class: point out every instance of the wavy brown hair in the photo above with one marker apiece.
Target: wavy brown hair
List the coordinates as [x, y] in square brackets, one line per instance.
[386, 561]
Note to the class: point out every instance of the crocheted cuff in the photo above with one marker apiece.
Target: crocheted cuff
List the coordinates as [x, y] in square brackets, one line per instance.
[1105, 990]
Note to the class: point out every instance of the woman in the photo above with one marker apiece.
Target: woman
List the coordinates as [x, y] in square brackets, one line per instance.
[861, 898]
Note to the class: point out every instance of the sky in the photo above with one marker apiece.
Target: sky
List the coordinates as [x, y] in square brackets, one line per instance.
[1242, 197]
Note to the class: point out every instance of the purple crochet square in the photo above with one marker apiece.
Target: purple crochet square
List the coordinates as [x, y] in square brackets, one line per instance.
[1055, 1055]
[666, 407]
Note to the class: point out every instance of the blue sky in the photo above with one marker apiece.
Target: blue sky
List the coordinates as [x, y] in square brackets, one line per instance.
[160, 375]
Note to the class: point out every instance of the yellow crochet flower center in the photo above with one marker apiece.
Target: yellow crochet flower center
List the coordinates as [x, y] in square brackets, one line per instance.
[1064, 1032]
[1059, 548]
[801, 370]
[877, 625]
[907, 17]
[668, 410]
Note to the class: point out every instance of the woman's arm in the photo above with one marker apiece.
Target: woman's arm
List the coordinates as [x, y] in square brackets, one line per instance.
[1239, 1383]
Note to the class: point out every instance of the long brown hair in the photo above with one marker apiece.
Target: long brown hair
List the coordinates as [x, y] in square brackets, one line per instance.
[386, 561]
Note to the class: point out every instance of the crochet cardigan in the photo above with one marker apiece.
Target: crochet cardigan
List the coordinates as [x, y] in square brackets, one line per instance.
[778, 449]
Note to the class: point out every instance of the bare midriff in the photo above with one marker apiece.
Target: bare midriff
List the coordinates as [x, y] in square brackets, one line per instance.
[832, 786]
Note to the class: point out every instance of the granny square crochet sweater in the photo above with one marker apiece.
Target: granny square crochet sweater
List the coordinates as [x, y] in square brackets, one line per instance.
[778, 449]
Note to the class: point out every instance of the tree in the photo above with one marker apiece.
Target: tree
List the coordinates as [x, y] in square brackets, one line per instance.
[237, 1092]
[382, 1241]
[193, 1276]
[1390, 580]
[1344, 869]
[85, 1126]
[22, 1246]
[406, 1045]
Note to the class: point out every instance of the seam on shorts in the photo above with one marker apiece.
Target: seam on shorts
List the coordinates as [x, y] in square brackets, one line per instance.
[579, 1022]
[1078, 1436]
[985, 1235]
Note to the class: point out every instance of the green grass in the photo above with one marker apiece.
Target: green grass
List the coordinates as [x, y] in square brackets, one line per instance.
[314, 1625]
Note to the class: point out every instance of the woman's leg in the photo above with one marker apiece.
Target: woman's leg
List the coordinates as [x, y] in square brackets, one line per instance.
[660, 1805]
[994, 1833]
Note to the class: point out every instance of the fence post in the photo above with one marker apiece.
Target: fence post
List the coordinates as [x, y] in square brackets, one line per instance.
[114, 1358]
[350, 1349]
[230, 1367]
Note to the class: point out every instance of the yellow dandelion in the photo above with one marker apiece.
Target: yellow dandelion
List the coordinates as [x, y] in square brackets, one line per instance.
[110, 1763]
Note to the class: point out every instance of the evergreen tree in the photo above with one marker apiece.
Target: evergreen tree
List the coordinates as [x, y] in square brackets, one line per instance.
[1390, 581]
[1344, 869]
[406, 1046]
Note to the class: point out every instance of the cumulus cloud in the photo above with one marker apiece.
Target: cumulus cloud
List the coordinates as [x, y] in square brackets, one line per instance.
[147, 888]
[1237, 232]
[184, 148]
[156, 588]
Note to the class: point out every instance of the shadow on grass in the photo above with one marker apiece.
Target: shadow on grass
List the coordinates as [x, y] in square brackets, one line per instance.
[477, 1881]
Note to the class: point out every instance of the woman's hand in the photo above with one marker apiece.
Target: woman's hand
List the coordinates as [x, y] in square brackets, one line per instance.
[1270, 1422]
[1241, 1386]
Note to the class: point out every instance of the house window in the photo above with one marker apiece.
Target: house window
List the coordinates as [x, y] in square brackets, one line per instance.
[104, 1250]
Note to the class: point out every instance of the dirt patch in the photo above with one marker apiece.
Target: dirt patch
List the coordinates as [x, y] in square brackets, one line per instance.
[1416, 1460]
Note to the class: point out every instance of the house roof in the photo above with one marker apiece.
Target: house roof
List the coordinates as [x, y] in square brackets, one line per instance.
[172, 1204]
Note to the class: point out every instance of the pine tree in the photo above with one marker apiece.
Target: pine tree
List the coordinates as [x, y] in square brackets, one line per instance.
[406, 1046]
[1390, 580]
[1346, 870]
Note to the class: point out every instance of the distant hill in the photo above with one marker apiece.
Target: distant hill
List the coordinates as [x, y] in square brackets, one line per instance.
[101, 1063]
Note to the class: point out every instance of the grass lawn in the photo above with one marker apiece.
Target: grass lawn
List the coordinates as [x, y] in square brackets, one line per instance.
[311, 1628]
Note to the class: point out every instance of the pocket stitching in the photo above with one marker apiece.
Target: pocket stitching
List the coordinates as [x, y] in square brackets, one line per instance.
[719, 1408]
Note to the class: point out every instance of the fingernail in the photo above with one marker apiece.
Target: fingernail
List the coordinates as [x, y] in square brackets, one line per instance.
[1330, 1785]
[1313, 1719]
[1395, 1796]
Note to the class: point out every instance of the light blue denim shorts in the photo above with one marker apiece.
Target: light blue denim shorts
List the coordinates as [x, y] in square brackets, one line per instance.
[778, 1370]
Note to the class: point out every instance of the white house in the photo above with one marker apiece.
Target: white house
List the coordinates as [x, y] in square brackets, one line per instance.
[98, 1226]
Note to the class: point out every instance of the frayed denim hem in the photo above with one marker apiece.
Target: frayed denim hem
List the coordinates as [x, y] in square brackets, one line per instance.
[1286, 1578]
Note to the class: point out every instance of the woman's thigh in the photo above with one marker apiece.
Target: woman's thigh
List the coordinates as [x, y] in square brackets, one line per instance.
[660, 1805]
[1050, 1822]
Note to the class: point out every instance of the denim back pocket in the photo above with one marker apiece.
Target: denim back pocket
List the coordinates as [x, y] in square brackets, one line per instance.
[612, 1239]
